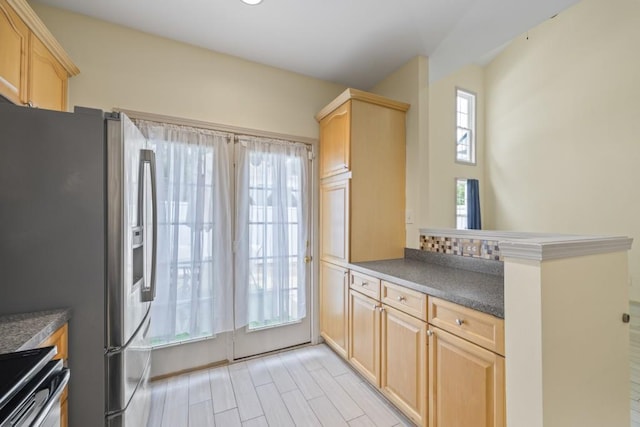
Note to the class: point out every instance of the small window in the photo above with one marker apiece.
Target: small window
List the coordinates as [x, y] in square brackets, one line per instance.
[465, 127]
[461, 204]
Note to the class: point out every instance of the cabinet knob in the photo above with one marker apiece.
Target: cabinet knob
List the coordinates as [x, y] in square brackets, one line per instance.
[429, 332]
[401, 298]
[29, 104]
[459, 322]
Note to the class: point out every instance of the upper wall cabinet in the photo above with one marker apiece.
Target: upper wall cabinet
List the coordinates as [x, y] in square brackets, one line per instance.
[335, 131]
[14, 38]
[34, 68]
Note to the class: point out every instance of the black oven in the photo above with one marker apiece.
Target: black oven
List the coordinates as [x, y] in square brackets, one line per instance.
[30, 388]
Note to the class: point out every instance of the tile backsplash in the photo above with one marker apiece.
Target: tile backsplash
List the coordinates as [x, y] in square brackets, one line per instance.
[476, 248]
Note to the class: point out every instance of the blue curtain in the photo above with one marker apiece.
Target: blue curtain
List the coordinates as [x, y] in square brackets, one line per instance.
[473, 205]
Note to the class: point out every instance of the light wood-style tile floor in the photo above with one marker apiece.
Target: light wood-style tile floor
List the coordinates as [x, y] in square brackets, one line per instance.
[308, 386]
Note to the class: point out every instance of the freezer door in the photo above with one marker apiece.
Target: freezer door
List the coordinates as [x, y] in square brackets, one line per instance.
[137, 413]
[127, 371]
[128, 260]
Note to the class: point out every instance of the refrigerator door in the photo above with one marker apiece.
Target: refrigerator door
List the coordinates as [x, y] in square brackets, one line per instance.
[131, 235]
[126, 257]
[128, 373]
[137, 413]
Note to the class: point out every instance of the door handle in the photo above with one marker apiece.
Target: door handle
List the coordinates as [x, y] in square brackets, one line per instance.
[148, 156]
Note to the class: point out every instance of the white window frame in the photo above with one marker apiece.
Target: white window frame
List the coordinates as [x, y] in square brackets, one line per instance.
[472, 113]
[461, 218]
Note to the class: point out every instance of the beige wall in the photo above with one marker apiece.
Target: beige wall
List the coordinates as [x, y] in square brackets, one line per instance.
[431, 165]
[409, 84]
[563, 127]
[120, 67]
[443, 169]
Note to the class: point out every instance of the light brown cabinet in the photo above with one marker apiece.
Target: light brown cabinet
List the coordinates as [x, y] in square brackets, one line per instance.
[47, 78]
[403, 374]
[466, 367]
[389, 346]
[362, 199]
[334, 291]
[334, 221]
[466, 383]
[14, 38]
[34, 68]
[364, 336]
[335, 131]
[60, 339]
[362, 171]
[480, 328]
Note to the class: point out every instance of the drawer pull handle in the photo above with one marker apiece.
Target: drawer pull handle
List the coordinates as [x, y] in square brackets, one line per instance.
[365, 284]
[459, 322]
[401, 298]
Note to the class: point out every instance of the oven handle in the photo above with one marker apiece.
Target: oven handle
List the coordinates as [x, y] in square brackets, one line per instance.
[55, 397]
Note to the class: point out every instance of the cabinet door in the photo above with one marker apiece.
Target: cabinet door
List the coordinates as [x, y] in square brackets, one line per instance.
[335, 135]
[364, 336]
[334, 221]
[47, 78]
[403, 374]
[14, 39]
[333, 306]
[466, 383]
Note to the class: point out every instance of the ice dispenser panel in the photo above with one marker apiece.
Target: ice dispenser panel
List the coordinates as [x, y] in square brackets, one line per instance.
[138, 256]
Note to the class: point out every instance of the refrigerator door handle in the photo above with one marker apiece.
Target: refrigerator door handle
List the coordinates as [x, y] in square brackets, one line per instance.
[148, 156]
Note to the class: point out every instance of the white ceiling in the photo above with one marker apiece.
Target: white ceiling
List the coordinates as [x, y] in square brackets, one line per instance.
[352, 42]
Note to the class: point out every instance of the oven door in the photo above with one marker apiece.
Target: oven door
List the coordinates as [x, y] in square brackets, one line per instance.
[50, 414]
[41, 406]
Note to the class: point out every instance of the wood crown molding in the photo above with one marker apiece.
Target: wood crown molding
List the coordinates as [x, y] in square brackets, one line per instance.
[360, 95]
[40, 30]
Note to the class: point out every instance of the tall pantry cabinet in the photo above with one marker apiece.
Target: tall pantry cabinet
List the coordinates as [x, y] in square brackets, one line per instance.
[362, 196]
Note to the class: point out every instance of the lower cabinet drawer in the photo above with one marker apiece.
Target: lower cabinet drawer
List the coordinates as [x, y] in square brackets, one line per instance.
[365, 284]
[482, 329]
[405, 299]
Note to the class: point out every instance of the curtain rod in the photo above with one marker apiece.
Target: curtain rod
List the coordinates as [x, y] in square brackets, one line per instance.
[236, 130]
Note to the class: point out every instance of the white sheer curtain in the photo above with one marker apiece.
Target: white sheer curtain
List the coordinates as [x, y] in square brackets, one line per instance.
[272, 222]
[195, 279]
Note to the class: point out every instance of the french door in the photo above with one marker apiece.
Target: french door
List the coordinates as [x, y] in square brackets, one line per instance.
[233, 279]
[272, 229]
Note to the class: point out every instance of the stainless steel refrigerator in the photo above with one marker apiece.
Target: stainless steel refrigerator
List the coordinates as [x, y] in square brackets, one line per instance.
[78, 230]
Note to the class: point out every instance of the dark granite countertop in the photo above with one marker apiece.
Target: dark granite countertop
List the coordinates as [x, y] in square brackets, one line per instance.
[26, 330]
[477, 290]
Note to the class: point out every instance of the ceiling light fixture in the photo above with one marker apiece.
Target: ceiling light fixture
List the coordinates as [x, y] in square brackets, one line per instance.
[252, 2]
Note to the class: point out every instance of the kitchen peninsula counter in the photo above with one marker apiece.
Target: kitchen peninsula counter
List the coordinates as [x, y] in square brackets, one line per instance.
[476, 284]
[25, 331]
